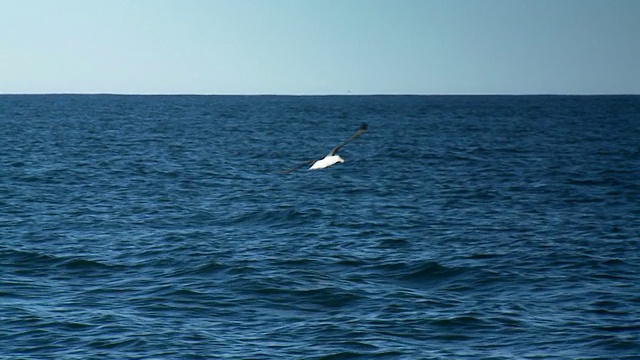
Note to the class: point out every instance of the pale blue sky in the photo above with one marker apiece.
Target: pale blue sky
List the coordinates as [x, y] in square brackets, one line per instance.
[320, 46]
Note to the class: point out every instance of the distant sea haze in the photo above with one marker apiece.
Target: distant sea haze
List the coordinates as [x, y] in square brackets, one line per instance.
[458, 227]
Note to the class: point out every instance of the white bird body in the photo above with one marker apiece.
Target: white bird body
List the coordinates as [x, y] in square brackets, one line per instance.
[326, 162]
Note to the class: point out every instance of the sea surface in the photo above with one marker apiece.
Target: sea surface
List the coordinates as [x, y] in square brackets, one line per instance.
[458, 227]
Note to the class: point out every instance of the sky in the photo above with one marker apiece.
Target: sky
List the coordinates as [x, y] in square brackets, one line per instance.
[304, 47]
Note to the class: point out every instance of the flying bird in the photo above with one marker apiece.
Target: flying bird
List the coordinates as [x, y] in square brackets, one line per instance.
[331, 158]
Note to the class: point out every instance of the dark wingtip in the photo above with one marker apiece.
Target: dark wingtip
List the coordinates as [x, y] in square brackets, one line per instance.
[363, 126]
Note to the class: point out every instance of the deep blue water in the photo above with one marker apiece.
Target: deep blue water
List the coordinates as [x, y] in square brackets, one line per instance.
[471, 227]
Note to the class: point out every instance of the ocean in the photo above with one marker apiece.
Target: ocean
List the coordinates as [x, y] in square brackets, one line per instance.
[458, 227]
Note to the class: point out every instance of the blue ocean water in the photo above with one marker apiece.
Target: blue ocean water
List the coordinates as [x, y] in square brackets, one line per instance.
[459, 227]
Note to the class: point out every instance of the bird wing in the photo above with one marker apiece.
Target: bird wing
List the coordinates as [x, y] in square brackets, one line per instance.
[333, 151]
[299, 166]
[362, 129]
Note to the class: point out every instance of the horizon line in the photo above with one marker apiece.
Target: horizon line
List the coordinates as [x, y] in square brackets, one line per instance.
[309, 94]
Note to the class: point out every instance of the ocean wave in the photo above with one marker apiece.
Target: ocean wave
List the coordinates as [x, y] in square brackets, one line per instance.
[35, 263]
[418, 272]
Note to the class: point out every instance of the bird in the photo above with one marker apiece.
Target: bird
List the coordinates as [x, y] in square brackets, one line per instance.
[332, 157]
